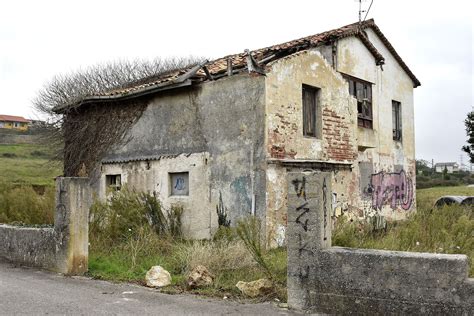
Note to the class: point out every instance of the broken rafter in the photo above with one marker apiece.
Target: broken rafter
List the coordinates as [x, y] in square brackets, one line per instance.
[208, 74]
[252, 64]
[268, 58]
[229, 66]
[191, 72]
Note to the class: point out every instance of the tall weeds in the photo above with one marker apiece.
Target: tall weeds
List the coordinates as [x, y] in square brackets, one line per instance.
[439, 230]
[21, 204]
[249, 230]
[127, 213]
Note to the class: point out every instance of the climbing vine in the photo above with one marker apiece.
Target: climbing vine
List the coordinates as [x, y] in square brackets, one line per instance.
[90, 132]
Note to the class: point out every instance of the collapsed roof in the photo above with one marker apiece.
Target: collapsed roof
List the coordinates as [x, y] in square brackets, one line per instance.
[252, 61]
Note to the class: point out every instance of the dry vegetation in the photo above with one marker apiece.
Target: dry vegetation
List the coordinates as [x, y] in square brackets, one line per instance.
[126, 242]
[449, 229]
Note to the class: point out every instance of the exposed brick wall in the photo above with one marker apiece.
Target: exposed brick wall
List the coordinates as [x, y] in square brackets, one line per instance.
[336, 133]
[283, 134]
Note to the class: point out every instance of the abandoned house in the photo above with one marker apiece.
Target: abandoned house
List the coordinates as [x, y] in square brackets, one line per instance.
[228, 131]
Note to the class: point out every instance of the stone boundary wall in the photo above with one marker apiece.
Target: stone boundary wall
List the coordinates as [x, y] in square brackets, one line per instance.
[62, 248]
[19, 139]
[339, 280]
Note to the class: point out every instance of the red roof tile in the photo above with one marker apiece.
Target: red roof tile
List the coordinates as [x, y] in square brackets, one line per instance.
[218, 67]
[11, 118]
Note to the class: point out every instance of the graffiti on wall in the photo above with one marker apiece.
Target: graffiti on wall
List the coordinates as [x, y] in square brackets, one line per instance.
[303, 217]
[308, 223]
[394, 189]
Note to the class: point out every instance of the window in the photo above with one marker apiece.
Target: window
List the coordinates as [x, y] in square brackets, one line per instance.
[362, 91]
[113, 181]
[397, 120]
[310, 111]
[179, 183]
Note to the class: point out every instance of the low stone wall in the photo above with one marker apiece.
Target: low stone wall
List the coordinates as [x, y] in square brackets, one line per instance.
[19, 138]
[62, 248]
[339, 280]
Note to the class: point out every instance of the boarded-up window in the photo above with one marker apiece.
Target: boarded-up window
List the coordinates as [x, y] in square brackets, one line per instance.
[113, 181]
[362, 91]
[179, 183]
[397, 120]
[310, 111]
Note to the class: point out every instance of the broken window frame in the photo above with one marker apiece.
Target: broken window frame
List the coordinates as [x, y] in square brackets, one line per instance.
[397, 120]
[311, 111]
[113, 182]
[361, 90]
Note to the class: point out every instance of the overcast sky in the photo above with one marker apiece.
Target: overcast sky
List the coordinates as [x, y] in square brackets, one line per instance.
[39, 39]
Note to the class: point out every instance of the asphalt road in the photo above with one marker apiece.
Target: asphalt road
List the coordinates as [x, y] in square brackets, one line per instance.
[30, 291]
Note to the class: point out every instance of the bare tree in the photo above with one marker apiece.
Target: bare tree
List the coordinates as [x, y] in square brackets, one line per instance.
[69, 89]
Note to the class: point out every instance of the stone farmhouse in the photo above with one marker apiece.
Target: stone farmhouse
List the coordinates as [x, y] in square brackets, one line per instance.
[229, 130]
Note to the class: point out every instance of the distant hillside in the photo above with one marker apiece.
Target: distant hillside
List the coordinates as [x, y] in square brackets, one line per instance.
[28, 164]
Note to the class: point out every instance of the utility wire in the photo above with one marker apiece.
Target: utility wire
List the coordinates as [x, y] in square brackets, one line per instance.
[370, 6]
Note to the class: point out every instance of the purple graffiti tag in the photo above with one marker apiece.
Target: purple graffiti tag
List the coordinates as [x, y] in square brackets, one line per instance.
[391, 189]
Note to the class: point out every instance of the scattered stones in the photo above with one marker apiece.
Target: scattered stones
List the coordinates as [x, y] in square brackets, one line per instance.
[255, 288]
[157, 277]
[199, 277]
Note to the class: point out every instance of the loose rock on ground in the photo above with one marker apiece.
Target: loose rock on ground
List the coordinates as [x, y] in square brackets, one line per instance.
[255, 288]
[199, 277]
[157, 277]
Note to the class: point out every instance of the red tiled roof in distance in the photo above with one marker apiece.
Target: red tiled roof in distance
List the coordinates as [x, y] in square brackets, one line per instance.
[11, 118]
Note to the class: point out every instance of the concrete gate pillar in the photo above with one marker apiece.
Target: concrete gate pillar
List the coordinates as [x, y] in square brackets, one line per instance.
[71, 225]
[308, 231]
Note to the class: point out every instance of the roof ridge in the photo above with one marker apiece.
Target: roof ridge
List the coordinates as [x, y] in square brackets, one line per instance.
[234, 63]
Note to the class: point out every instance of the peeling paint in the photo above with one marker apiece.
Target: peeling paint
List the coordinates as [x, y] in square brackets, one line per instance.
[342, 140]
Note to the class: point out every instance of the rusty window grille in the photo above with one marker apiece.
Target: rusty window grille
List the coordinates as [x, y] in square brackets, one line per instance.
[362, 91]
[310, 111]
[397, 120]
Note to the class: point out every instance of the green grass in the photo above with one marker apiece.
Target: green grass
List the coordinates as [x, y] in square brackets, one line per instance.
[27, 164]
[446, 230]
[124, 246]
[116, 265]
[27, 184]
[438, 230]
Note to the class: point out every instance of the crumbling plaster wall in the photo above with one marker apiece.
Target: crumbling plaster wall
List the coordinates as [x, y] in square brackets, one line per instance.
[221, 122]
[284, 131]
[153, 176]
[382, 162]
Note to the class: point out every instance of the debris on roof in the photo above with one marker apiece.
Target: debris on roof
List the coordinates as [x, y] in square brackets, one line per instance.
[252, 61]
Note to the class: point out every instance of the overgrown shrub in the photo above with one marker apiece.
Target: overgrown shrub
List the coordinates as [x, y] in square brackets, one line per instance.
[249, 230]
[221, 210]
[443, 230]
[9, 155]
[438, 182]
[126, 212]
[22, 205]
